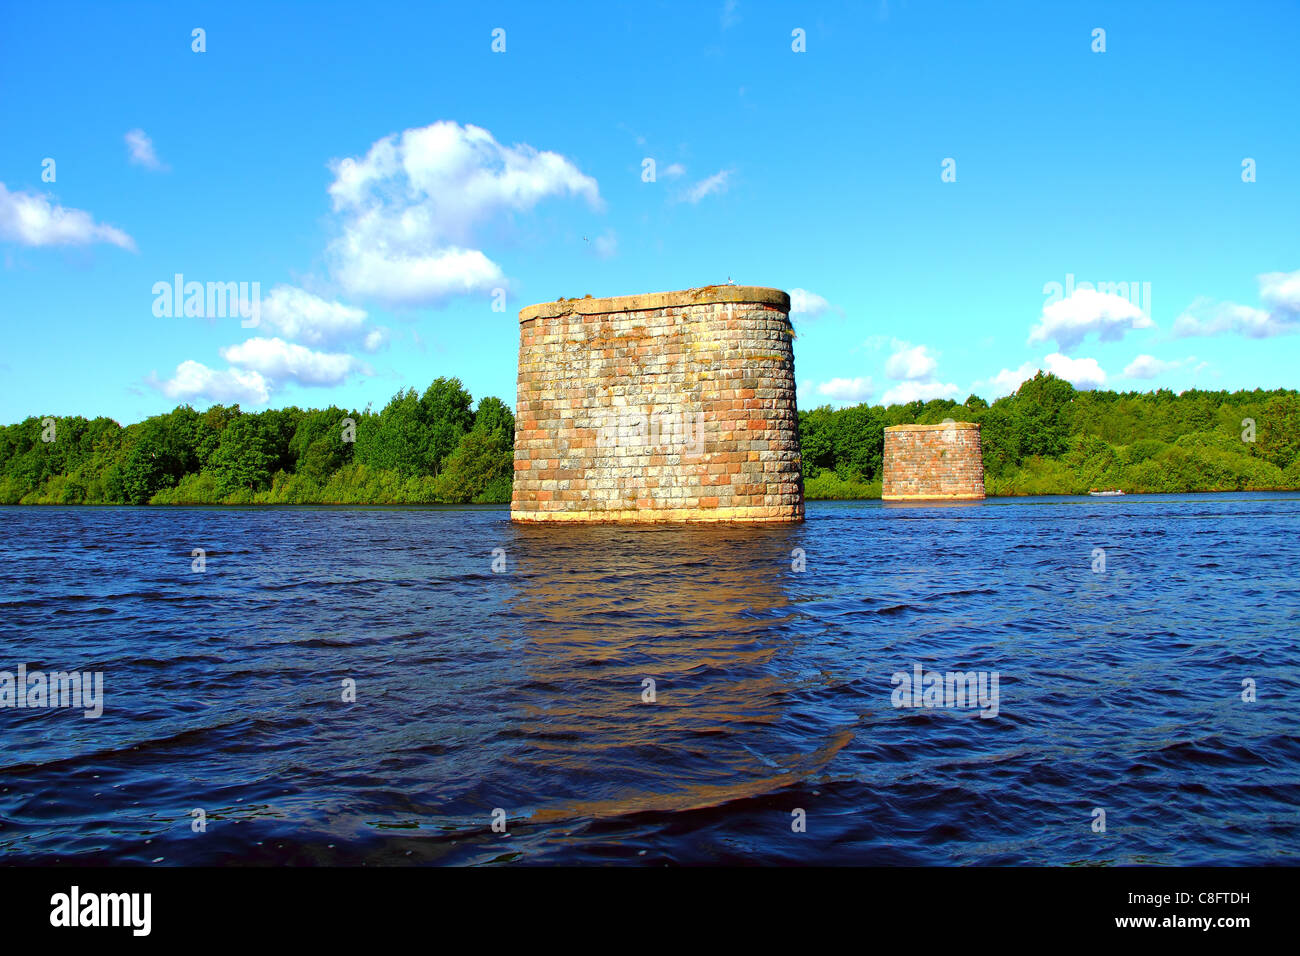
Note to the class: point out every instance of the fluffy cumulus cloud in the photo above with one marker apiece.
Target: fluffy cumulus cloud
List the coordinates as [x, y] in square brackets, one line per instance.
[1082, 373]
[1279, 293]
[31, 219]
[809, 305]
[1010, 379]
[140, 151]
[302, 317]
[1206, 317]
[408, 278]
[843, 389]
[278, 361]
[261, 366]
[1148, 366]
[905, 392]
[1069, 320]
[194, 380]
[911, 363]
[914, 368]
[412, 207]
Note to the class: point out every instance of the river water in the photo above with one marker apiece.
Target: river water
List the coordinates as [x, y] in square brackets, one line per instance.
[657, 695]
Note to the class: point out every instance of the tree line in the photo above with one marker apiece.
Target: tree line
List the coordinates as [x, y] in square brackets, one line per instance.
[1050, 438]
[430, 448]
[436, 448]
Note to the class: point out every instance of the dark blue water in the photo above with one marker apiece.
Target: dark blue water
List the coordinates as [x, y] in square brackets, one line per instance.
[522, 691]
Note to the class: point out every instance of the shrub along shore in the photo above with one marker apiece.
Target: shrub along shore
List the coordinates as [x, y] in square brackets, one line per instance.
[435, 447]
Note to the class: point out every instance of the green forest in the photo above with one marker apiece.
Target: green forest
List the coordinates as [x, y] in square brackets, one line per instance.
[1051, 439]
[430, 448]
[435, 447]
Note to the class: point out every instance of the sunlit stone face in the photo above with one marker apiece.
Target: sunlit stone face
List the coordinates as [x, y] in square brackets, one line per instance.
[676, 406]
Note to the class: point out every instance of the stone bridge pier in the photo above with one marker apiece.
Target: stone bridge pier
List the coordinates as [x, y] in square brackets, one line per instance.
[663, 407]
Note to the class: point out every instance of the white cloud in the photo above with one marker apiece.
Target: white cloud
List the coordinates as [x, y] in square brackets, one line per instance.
[845, 389]
[1280, 294]
[910, 362]
[195, 380]
[1281, 290]
[298, 315]
[140, 151]
[730, 14]
[1008, 380]
[278, 361]
[400, 279]
[810, 305]
[914, 367]
[411, 208]
[1082, 373]
[674, 170]
[905, 392]
[1204, 317]
[1148, 366]
[33, 220]
[1068, 321]
[717, 183]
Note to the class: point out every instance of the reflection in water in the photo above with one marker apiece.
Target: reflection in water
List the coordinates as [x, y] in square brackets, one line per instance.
[612, 617]
[938, 503]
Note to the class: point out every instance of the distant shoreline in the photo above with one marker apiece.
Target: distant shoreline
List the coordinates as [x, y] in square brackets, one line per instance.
[500, 505]
[436, 448]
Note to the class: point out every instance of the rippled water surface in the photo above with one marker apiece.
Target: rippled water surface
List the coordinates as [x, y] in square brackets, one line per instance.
[1120, 689]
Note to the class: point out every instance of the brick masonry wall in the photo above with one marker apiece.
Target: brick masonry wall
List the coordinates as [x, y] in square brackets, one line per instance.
[933, 461]
[667, 407]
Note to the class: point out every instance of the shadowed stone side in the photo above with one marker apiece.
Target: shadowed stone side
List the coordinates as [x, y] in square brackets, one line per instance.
[928, 462]
[665, 407]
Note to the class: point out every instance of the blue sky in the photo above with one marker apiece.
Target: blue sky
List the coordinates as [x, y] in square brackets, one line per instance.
[380, 172]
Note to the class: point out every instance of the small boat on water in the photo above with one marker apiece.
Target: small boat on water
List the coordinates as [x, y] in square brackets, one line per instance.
[1105, 494]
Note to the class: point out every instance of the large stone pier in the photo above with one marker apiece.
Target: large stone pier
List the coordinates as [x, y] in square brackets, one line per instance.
[664, 407]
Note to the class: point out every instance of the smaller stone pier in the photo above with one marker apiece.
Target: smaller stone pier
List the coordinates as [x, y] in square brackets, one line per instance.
[933, 462]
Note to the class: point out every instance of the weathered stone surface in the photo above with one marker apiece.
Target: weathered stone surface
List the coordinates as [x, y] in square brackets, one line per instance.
[670, 406]
[925, 462]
